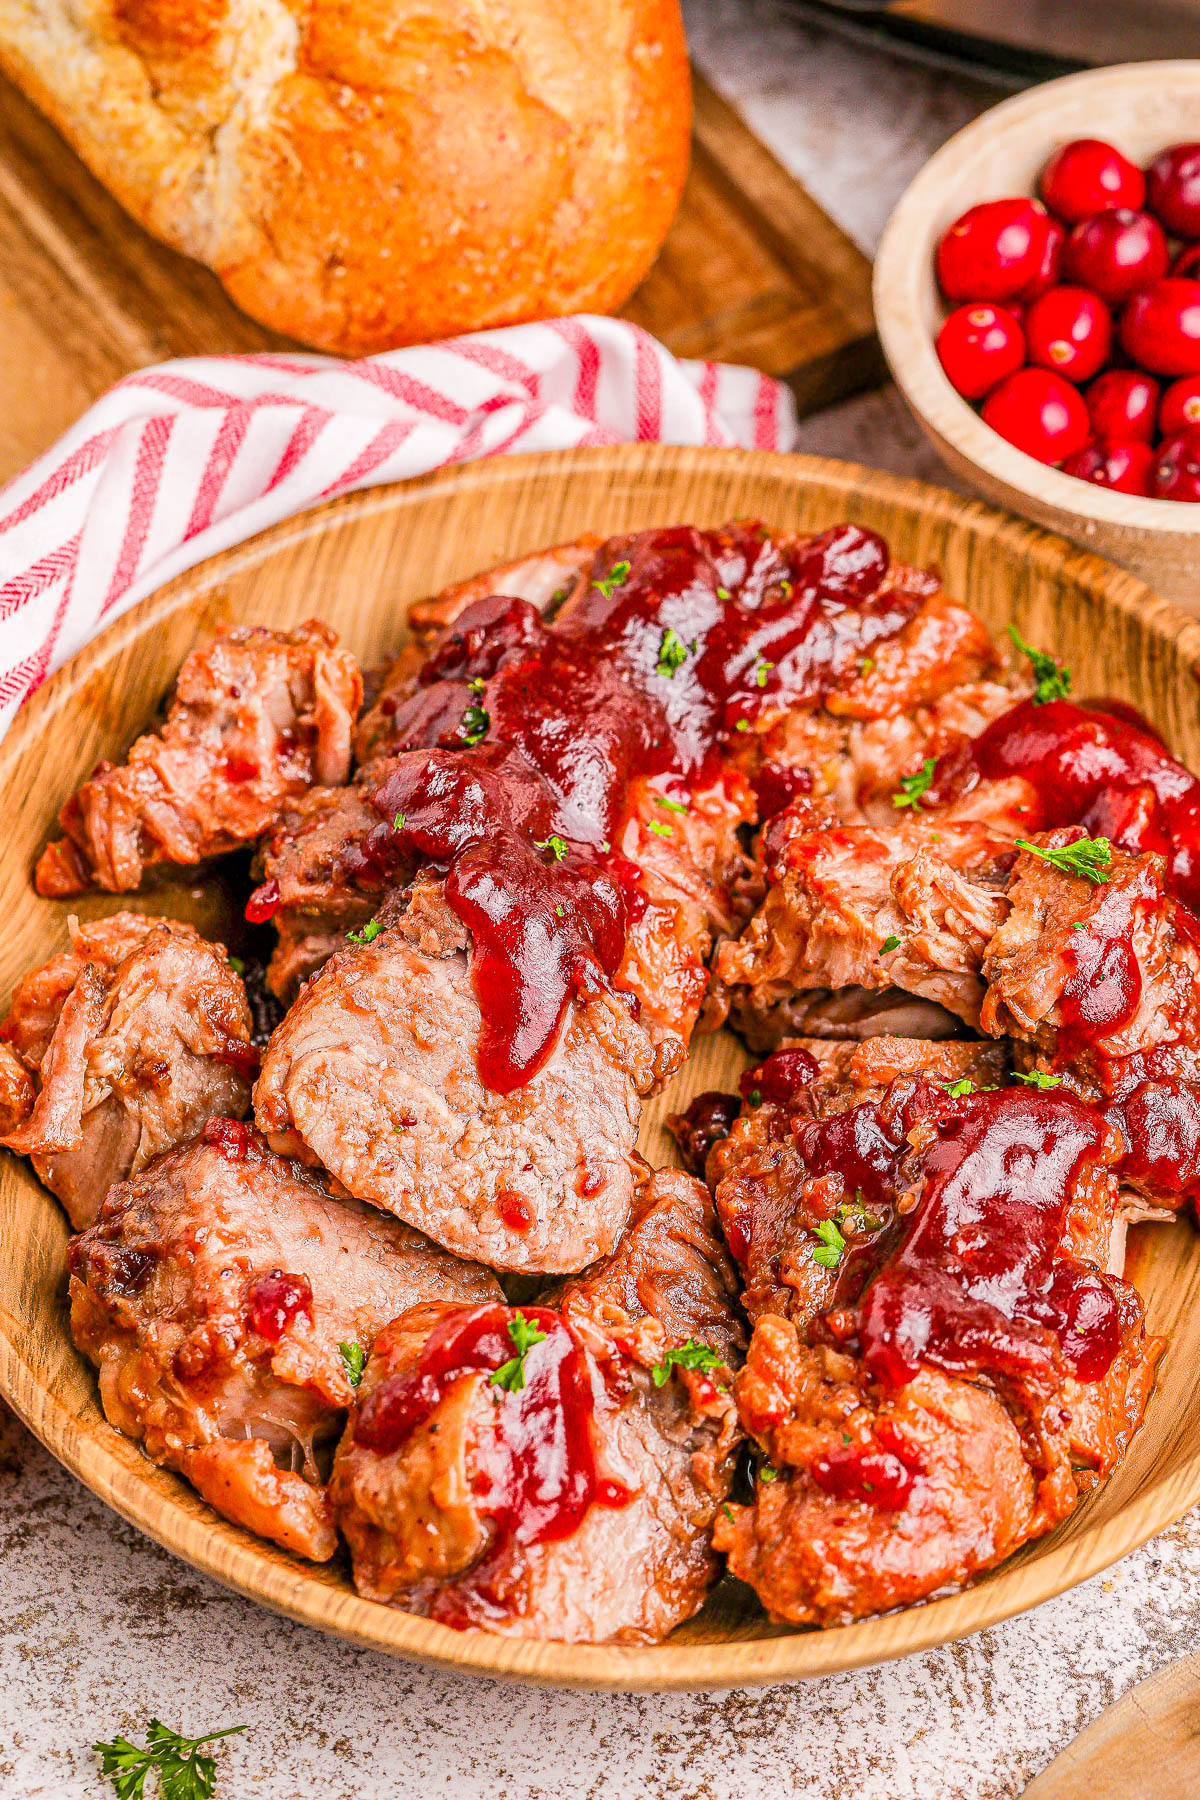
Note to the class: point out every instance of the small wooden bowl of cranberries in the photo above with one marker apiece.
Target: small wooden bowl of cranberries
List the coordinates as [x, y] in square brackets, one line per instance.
[1038, 298]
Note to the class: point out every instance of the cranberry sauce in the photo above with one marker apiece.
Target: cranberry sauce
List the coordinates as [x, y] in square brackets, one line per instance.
[273, 1300]
[533, 734]
[708, 1119]
[547, 920]
[1092, 768]
[1160, 1122]
[1102, 992]
[976, 1284]
[535, 1472]
[880, 1473]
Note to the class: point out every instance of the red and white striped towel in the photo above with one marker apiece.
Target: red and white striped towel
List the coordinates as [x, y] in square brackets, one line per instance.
[181, 460]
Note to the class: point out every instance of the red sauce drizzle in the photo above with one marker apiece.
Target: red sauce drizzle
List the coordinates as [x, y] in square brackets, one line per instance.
[976, 1284]
[263, 903]
[232, 1137]
[881, 1473]
[1092, 768]
[535, 1474]
[274, 1300]
[655, 670]
[707, 1120]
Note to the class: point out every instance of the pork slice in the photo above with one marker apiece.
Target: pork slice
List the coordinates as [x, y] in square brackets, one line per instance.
[835, 1015]
[818, 1558]
[131, 1039]
[215, 1292]
[911, 906]
[670, 1264]
[759, 1177]
[639, 1560]
[257, 717]
[373, 1074]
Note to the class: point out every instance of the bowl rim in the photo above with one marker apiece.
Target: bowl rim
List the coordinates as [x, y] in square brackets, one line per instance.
[162, 1506]
[898, 287]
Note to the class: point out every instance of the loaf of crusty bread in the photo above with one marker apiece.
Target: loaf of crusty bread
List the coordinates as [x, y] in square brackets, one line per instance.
[368, 173]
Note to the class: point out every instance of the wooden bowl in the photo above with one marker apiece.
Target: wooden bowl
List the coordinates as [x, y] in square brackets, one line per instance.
[357, 563]
[1141, 108]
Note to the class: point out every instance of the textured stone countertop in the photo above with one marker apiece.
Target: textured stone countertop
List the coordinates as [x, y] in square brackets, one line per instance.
[99, 1629]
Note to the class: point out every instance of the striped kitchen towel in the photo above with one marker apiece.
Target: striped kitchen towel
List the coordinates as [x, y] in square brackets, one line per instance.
[184, 459]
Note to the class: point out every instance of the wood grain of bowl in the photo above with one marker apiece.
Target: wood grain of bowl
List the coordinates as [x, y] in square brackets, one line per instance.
[357, 563]
[1139, 107]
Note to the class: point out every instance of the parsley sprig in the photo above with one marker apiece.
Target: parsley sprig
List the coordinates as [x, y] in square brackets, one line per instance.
[184, 1771]
[831, 1244]
[525, 1334]
[1052, 681]
[914, 787]
[692, 1355]
[1038, 1078]
[355, 1359]
[368, 934]
[958, 1090]
[617, 576]
[672, 653]
[1089, 858]
[557, 845]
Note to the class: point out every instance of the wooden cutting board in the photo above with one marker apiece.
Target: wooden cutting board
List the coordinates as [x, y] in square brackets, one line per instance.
[753, 272]
[1145, 1747]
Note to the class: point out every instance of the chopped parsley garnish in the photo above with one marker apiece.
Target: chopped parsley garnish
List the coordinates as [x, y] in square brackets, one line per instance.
[556, 844]
[1087, 857]
[855, 1214]
[368, 934]
[692, 1355]
[476, 723]
[913, 787]
[237, 965]
[355, 1359]
[661, 829]
[743, 725]
[559, 913]
[1078, 925]
[679, 806]
[832, 1245]
[183, 1770]
[1053, 682]
[559, 595]
[958, 1090]
[728, 1511]
[767, 1472]
[617, 576]
[723, 594]
[755, 1097]
[889, 944]
[398, 822]
[762, 669]
[525, 1334]
[672, 652]
[1038, 1078]
[785, 588]
[476, 684]
[866, 664]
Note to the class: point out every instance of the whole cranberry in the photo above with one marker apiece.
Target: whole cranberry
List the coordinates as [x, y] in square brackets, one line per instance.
[1123, 405]
[1173, 189]
[1177, 471]
[1187, 262]
[1050, 268]
[1126, 468]
[993, 251]
[1160, 327]
[1069, 330]
[1040, 413]
[1180, 405]
[1115, 252]
[979, 345]
[1089, 176]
